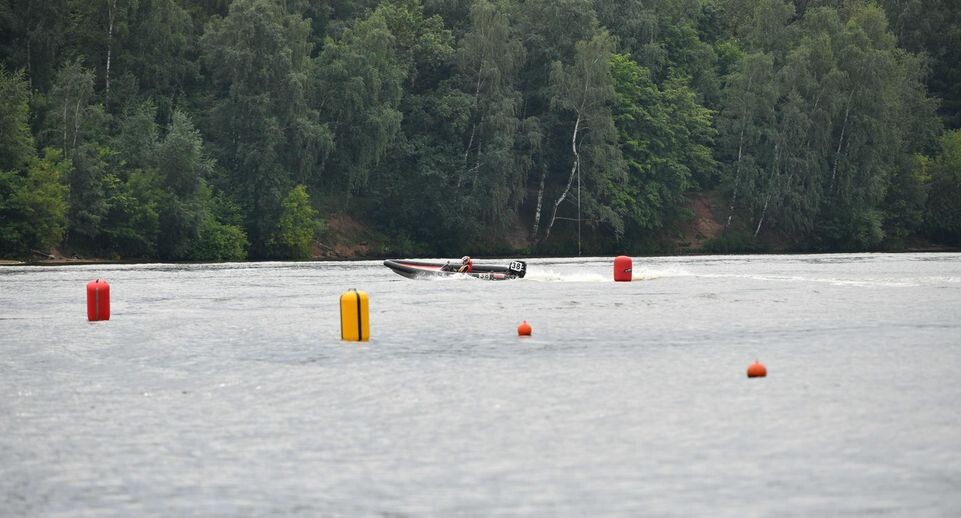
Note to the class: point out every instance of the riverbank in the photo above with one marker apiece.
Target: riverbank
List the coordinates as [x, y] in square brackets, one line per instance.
[56, 258]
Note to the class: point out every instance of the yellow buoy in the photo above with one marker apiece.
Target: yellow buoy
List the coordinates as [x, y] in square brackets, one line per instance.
[354, 316]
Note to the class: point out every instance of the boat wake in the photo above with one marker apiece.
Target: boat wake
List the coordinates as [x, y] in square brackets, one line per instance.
[552, 276]
[448, 278]
[549, 275]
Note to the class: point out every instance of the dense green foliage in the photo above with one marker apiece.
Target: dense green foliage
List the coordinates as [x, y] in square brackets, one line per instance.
[665, 135]
[229, 129]
[298, 224]
[943, 215]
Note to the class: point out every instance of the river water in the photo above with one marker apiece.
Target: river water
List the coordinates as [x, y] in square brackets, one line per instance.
[225, 390]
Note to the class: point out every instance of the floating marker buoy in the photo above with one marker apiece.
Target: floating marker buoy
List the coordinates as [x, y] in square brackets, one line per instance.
[524, 329]
[98, 300]
[623, 268]
[756, 370]
[354, 312]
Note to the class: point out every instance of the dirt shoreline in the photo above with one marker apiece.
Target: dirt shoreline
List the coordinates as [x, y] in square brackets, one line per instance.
[61, 262]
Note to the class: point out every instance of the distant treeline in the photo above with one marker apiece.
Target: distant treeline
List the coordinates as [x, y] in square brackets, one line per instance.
[219, 129]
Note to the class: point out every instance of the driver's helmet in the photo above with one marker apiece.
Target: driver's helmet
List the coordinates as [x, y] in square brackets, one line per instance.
[465, 260]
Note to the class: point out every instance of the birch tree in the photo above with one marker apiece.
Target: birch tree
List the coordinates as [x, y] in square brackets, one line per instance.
[745, 122]
[77, 127]
[583, 90]
[490, 58]
[73, 111]
[359, 82]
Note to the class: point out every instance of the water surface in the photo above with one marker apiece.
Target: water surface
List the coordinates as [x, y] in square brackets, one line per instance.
[225, 390]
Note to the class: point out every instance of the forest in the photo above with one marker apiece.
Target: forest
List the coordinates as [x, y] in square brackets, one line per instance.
[216, 130]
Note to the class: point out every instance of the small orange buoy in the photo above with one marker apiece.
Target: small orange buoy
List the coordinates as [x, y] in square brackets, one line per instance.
[524, 329]
[756, 370]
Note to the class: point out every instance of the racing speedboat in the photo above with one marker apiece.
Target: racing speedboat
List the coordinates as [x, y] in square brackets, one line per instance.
[490, 272]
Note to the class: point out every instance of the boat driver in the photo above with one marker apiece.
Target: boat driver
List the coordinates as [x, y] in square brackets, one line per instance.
[466, 265]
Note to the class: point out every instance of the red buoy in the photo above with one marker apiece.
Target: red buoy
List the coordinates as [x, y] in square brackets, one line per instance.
[623, 268]
[98, 300]
[524, 329]
[756, 370]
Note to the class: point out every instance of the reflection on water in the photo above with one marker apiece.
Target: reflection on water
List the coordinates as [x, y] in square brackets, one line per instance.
[224, 389]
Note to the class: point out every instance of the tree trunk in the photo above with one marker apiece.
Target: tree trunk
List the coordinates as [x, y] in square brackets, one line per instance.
[29, 69]
[473, 129]
[760, 221]
[66, 108]
[737, 168]
[29, 38]
[540, 201]
[737, 180]
[570, 180]
[475, 172]
[844, 125]
[578, 208]
[767, 199]
[111, 10]
[76, 124]
[470, 144]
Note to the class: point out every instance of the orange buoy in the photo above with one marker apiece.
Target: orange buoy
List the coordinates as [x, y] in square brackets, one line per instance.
[623, 268]
[98, 300]
[524, 329]
[756, 370]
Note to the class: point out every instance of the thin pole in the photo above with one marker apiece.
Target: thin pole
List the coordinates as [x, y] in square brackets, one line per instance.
[578, 209]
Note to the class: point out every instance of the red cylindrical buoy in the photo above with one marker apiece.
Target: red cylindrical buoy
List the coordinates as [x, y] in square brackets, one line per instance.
[623, 268]
[756, 370]
[524, 329]
[98, 300]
